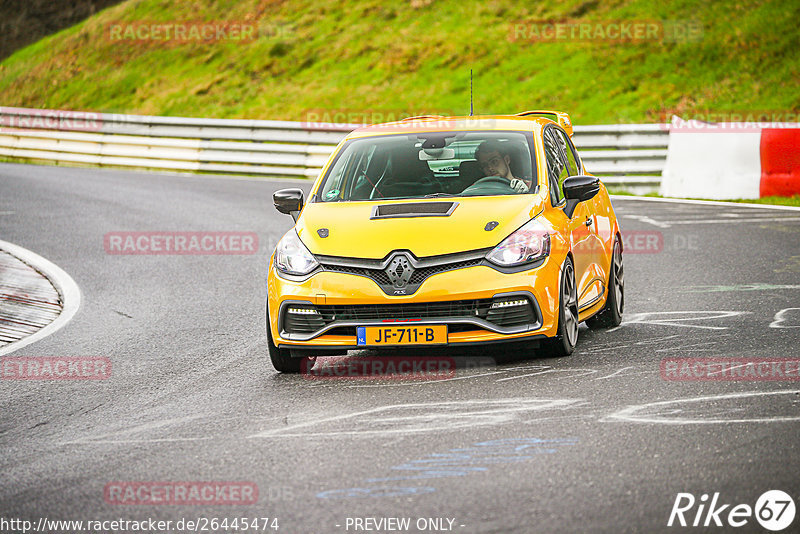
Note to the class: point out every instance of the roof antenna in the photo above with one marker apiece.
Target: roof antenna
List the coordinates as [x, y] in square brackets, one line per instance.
[470, 92]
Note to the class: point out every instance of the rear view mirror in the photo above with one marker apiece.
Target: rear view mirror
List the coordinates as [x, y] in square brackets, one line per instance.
[288, 201]
[427, 154]
[578, 189]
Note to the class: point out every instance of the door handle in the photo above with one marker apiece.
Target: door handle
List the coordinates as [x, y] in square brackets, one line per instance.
[589, 221]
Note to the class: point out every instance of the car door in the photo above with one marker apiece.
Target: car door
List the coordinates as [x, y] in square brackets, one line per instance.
[586, 249]
[598, 222]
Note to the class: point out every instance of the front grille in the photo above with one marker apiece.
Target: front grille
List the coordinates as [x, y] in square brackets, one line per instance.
[420, 275]
[423, 310]
[457, 313]
[379, 276]
[423, 269]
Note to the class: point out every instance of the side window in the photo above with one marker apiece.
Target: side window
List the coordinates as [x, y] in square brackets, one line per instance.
[332, 186]
[557, 167]
[569, 150]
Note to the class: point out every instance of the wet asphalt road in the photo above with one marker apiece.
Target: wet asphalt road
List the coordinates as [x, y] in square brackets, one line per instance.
[595, 442]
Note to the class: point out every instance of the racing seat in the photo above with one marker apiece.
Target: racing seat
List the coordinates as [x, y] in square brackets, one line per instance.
[377, 168]
[520, 161]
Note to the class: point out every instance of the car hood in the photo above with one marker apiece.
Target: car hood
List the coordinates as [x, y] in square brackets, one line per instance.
[353, 232]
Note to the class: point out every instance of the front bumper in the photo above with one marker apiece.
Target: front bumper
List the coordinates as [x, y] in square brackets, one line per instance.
[346, 301]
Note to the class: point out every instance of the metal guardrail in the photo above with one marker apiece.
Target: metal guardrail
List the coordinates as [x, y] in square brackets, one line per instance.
[630, 154]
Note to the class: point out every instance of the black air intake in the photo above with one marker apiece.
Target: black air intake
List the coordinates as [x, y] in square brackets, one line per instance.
[414, 209]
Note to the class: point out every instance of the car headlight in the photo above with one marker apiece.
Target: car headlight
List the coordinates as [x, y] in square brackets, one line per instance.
[528, 244]
[292, 256]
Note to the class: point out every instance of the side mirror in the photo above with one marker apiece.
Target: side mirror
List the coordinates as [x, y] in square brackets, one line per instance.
[288, 201]
[578, 189]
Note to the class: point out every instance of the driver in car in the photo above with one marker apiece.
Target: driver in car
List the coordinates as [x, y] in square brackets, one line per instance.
[495, 160]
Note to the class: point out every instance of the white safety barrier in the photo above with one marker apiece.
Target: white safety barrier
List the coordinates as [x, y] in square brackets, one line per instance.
[714, 166]
[629, 154]
[731, 160]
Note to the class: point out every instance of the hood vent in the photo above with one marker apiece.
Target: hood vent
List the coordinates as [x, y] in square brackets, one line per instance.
[414, 209]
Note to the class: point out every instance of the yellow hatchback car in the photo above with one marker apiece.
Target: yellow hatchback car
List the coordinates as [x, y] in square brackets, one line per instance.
[445, 231]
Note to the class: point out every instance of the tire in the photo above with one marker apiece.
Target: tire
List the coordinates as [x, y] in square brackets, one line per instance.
[567, 334]
[282, 359]
[611, 314]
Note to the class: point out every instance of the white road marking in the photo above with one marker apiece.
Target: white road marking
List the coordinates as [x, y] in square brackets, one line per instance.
[741, 287]
[528, 367]
[593, 350]
[656, 340]
[144, 427]
[588, 372]
[780, 318]
[684, 347]
[615, 373]
[527, 374]
[651, 318]
[727, 221]
[727, 205]
[410, 382]
[421, 417]
[648, 220]
[129, 441]
[64, 284]
[629, 414]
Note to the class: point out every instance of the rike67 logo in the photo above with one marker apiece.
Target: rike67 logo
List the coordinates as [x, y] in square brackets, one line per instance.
[774, 510]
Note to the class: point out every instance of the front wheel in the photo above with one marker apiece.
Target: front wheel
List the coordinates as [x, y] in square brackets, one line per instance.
[611, 314]
[281, 359]
[567, 334]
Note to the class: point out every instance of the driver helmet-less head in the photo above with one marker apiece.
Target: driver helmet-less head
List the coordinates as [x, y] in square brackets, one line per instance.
[494, 159]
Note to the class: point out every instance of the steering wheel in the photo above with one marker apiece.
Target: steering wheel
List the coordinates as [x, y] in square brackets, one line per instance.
[487, 182]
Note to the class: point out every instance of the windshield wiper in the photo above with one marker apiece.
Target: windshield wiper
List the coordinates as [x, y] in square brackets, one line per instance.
[437, 195]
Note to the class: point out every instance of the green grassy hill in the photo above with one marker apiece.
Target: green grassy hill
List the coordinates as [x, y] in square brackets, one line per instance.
[414, 57]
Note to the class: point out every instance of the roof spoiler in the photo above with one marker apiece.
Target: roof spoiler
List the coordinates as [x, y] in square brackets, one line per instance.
[559, 117]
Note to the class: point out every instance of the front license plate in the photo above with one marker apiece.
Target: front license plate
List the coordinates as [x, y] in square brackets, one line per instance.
[402, 335]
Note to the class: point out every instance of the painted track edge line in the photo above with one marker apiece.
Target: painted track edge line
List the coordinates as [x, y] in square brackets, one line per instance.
[212, 176]
[64, 284]
[706, 202]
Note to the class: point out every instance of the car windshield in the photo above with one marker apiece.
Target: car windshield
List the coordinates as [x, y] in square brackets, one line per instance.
[431, 164]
